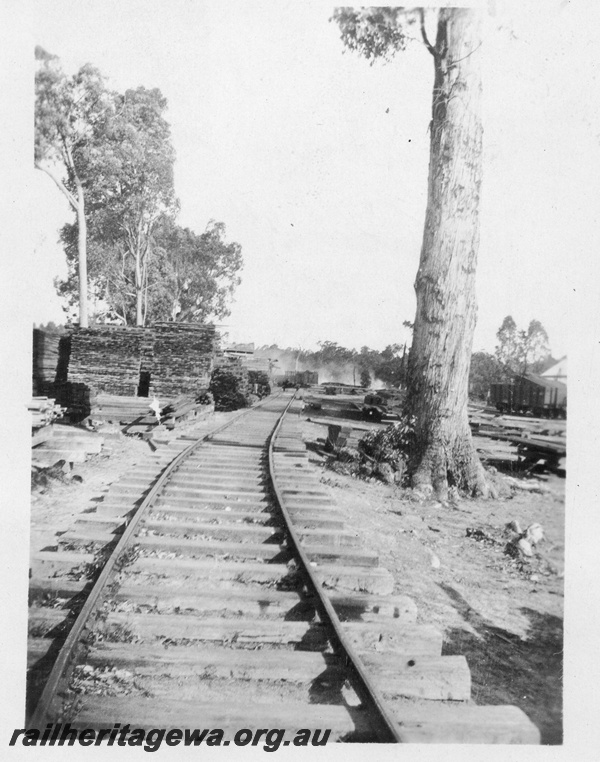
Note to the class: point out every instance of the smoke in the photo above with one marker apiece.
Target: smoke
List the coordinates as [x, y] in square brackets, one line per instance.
[289, 360]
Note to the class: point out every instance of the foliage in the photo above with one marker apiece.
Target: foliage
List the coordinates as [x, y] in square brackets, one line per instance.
[365, 378]
[259, 379]
[485, 370]
[142, 265]
[225, 388]
[198, 272]
[521, 351]
[128, 173]
[205, 398]
[376, 33]
[331, 353]
[536, 350]
[391, 368]
[68, 115]
[508, 351]
[391, 445]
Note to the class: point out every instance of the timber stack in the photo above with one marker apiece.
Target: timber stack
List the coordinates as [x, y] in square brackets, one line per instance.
[45, 361]
[182, 358]
[44, 411]
[107, 357]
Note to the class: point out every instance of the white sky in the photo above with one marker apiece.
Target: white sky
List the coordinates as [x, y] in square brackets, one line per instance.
[317, 162]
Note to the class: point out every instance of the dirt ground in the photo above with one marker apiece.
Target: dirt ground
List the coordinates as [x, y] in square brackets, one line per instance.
[504, 614]
[55, 505]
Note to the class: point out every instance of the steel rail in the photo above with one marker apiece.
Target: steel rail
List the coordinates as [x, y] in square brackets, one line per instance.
[39, 716]
[387, 725]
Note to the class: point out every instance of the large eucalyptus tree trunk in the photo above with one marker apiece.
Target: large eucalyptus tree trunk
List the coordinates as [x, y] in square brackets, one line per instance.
[445, 285]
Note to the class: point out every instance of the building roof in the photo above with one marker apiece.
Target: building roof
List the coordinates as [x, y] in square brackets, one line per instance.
[549, 383]
[558, 370]
[245, 349]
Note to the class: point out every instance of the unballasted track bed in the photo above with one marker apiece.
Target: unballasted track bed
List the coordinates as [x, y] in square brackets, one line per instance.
[218, 587]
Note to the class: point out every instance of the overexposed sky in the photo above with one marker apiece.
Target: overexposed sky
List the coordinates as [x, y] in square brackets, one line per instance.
[317, 162]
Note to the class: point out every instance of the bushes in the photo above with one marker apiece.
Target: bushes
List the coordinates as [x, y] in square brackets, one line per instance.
[225, 388]
[389, 445]
[381, 453]
[259, 383]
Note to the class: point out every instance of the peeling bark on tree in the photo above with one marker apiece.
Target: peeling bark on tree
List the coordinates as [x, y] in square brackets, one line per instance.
[444, 454]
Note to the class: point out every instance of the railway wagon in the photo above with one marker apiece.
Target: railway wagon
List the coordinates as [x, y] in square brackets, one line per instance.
[301, 378]
[530, 394]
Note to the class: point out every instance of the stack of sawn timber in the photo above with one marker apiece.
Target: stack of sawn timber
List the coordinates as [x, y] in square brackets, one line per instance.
[109, 408]
[44, 410]
[108, 358]
[182, 360]
[45, 360]
[135, 414]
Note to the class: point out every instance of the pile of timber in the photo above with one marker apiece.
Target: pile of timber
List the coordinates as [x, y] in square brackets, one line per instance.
[123, 411]
[136, 417]
[182, 358]
[59, 442]
[108, 358]
[45, 360]
[526, 441]
[184, 408]
[43, 411]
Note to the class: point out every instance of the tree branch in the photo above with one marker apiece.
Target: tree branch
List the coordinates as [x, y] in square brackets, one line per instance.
[69, 196]
[428, 45]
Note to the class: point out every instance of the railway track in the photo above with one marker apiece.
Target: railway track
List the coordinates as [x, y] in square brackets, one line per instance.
[233, 597]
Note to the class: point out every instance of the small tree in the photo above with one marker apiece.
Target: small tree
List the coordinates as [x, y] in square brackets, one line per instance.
[391, 367]
[536, 350]
[365, 378]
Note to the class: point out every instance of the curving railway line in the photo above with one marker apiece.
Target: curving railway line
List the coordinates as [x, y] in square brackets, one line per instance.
[232, 596]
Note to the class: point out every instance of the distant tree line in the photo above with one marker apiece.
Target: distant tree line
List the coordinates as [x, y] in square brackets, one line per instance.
[363, 366]
[517, 352]
[110, 154]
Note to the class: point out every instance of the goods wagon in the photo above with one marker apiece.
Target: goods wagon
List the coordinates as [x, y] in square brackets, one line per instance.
[530, 394]
[300, 378]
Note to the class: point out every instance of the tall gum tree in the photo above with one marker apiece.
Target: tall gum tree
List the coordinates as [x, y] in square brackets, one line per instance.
[66, 112]
[522, 351]
[198, 273]
[128, 173]
[442, 454]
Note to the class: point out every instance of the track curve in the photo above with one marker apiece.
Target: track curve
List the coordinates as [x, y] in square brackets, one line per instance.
[235, 598]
